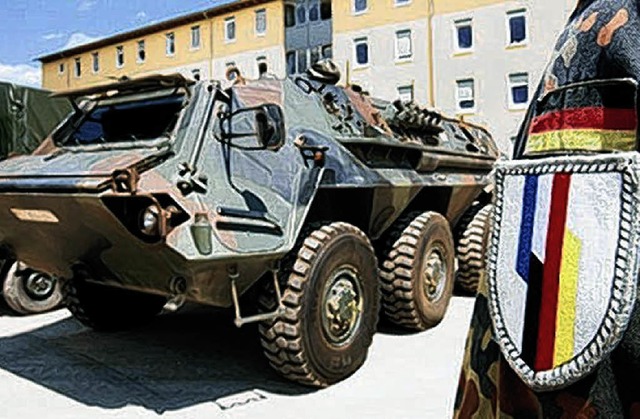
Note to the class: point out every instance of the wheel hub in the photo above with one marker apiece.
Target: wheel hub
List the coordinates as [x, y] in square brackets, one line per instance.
[39, 286]
[435, 275]
[342, 306]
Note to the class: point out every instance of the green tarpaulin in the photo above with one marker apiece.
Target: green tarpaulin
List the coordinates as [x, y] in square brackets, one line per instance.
[27, 116]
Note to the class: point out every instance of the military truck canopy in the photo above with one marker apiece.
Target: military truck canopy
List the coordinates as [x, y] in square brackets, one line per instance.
[27, 116]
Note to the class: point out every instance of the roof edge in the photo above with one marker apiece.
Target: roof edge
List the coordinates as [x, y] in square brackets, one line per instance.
[152, 28]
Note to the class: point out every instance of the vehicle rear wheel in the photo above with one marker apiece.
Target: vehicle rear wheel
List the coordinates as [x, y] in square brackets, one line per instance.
[107, 309]
[331, 300]
[472, 250]
[417, 273]
[27, 291]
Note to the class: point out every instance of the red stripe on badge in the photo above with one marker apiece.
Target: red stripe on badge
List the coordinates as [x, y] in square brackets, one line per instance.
[585, 118]
[551, 272]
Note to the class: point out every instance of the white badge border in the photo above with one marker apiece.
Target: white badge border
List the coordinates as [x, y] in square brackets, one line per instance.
[625, 285]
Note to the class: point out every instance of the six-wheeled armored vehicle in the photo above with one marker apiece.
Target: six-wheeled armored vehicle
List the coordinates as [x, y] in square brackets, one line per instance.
[319, 199]
[27, 116]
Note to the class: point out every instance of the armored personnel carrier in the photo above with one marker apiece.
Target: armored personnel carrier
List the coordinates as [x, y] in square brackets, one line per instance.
[314, 198]
[27, 116]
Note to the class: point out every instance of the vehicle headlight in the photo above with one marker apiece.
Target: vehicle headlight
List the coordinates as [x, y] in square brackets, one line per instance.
[150, 220]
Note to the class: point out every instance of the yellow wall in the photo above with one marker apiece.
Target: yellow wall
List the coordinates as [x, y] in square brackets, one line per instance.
[155, 47]
[246, 38]
[452, 6]
[379, 13]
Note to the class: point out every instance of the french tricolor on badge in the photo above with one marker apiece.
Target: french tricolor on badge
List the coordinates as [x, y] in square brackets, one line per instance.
[564, 262]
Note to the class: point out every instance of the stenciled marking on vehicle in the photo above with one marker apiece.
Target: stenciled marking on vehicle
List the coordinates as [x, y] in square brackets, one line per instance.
[35, 215]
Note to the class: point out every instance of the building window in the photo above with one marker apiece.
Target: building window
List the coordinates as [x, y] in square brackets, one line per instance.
[230, 29]
[301, 14]
[405, 93]
[359, 6]
[171, 44]
[291, 63]
[263, 68]
[404, 50]
[327, 51]
[120, 56]
[401, 2]
[289, 15]
[314, 12]
[142, 54]
[314, 55]
[302, 60]
[464, 35]
[95, 59]
[517, 27]
[195, 37]
[466, 95]
[325, 9]
[61, 68]
[78, 68]
[261, 21]
[518, 90]
[361, 51]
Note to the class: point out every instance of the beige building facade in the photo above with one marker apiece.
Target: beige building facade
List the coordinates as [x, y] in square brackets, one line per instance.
[478, 59]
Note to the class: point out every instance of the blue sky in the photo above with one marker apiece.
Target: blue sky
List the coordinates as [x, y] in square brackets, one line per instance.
[30, 28]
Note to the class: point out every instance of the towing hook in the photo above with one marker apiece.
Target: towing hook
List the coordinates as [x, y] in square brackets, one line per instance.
[178, 287]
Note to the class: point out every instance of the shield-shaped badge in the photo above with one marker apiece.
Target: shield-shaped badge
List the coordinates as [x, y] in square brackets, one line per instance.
[563, 266]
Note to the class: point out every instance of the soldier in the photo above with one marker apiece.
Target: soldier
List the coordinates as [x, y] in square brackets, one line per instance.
[600, 41]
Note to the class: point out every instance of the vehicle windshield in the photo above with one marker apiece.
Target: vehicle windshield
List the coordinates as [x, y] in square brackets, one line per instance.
[119, 121]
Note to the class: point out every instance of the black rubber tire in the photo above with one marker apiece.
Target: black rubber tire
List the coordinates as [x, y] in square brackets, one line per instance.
[109, 309]
[471, 250]
[18, 298]
[404, 290]
[296, 344]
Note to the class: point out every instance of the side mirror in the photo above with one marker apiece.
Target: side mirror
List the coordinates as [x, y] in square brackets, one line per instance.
[257, 128]
[270, 127]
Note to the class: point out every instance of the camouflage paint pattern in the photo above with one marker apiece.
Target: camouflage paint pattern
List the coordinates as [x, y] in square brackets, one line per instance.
[254, 202]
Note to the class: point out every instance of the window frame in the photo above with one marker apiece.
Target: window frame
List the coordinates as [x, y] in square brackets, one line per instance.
[95, 62]
[511, 84]
[401, 3]
[357, 41]
[517, 13]
[195, 29]
[459, 109]
[170, 39]
[227, 23]
[259, 12]
[408, 87]
[77, 67]
[357, 12]
[120, 53]
[457, 25]
[141, 43]
[399, 35]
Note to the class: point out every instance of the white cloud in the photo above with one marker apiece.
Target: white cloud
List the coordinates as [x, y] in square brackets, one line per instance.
[86, 5]
[52, 36]
[78, 38]
[141, 15]
[21, 74]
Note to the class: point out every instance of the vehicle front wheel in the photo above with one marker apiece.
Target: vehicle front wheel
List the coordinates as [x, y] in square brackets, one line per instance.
[332, 300]
[417, 274]
[108, 309]
[27, 291]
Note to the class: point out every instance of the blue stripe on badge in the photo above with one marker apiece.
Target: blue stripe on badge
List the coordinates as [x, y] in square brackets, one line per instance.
[529, 202]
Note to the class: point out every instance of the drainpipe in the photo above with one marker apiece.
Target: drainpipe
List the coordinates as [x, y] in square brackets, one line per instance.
[431, 13]
[211, 39]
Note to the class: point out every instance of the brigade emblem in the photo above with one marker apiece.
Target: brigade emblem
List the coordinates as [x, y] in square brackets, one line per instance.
[562, 269]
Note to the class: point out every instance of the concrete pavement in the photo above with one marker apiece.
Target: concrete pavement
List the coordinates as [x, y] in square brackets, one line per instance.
[196, 364]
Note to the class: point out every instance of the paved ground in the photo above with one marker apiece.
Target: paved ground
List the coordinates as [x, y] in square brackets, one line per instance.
[195, 364]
